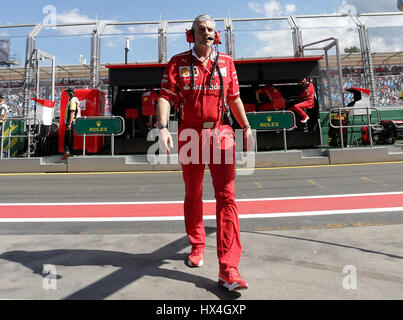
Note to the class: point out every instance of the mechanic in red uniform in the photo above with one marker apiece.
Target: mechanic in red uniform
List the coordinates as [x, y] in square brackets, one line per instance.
[148, 104]
[307, 97]
[269, 98]
[195, 80]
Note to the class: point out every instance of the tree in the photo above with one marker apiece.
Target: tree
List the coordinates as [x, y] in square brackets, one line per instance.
[352, 49]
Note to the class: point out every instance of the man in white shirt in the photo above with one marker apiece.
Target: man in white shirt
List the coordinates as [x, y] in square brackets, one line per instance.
[72, 111]
[3, 109]
[3, 115]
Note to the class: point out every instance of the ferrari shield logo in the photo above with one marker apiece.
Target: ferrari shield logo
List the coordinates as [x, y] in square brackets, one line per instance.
[185, 72]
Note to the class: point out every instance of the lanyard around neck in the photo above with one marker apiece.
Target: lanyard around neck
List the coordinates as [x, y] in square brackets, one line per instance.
[215, 67]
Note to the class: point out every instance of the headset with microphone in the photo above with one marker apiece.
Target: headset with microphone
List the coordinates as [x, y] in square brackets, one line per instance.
[190, 37]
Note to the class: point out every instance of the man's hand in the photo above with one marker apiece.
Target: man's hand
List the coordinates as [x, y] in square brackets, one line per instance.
[164, 137]
[249, 140]
[165, 140]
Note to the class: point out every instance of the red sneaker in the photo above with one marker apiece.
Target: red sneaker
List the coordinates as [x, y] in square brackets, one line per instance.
[196, 257]
[232, 280]
[66, 155]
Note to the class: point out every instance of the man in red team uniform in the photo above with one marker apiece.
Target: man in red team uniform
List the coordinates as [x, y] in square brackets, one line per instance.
[307, 97]
[269, 98]
[204, 81]
[148, 102]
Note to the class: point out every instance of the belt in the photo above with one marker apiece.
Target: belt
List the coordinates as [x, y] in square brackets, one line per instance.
[200, 125]
[211, 124]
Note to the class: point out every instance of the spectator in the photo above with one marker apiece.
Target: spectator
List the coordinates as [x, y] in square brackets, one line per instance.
[3, 115]
[4, 110]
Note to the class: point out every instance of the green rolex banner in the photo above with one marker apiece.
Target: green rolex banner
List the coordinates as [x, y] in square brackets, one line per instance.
[99, 126]
[270, 120]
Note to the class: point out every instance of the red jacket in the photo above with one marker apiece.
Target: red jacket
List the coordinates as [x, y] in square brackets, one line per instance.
[148, 101]
[308, 93]
[203, 103]
[274, 97]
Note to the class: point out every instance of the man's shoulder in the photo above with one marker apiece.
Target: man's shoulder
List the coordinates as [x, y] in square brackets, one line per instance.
[225, 56]
[74, 101]
[183, 56]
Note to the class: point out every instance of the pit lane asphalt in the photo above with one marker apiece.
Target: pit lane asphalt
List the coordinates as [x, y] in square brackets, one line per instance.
[342, 257]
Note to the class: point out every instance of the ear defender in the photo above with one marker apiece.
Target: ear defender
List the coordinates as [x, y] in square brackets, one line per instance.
[190, 36]
[217, 37]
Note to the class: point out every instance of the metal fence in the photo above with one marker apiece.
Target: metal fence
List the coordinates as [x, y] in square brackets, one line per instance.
[351, 112]
[31, 128]
[102, 42]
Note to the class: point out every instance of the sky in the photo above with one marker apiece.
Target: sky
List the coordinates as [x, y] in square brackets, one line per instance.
[252, 38]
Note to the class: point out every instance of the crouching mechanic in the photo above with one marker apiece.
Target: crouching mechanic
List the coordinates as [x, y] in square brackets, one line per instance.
[307, 97]
[204, 81]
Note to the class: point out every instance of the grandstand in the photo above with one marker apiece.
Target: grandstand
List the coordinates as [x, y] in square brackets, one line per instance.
[388, 69]
[385, 63]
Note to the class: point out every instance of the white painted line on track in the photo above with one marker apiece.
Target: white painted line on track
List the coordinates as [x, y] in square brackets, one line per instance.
[206, 217]
[205, 201]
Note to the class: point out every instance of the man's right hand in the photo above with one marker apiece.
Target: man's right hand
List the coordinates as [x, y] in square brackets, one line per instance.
[165, 140]
[249, 140]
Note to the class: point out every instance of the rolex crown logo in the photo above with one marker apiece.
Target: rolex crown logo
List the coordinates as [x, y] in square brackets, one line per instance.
[269, 118]
[98, 123]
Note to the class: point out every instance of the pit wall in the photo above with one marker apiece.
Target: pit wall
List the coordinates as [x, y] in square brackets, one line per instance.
[323, 155]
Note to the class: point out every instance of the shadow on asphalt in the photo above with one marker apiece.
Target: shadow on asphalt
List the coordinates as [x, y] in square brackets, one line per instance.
[131, 268]
[327, 243]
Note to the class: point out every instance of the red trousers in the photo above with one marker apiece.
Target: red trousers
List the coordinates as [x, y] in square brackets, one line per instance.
[299, 107]
[223, 177]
